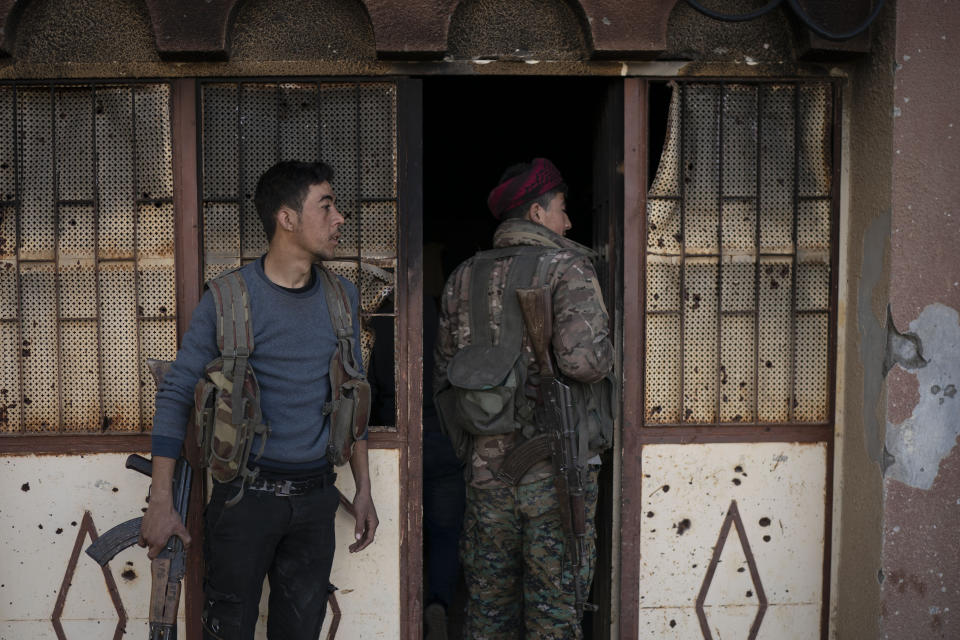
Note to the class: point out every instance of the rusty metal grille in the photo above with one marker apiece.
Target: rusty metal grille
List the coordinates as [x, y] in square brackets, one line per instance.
[352, 126]
[86, 255]
[738, 258]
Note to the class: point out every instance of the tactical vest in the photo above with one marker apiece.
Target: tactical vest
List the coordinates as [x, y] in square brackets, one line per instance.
[487, 390]
[227, 398]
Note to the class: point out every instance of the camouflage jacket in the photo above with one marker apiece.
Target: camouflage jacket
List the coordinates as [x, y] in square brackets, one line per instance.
[581, 343]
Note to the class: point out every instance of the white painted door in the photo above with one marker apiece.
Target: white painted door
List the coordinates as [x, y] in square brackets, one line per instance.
[728, 426]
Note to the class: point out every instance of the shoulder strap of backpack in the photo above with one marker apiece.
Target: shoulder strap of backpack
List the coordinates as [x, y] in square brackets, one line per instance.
[338, 304]
[234, 331]
[525, 262]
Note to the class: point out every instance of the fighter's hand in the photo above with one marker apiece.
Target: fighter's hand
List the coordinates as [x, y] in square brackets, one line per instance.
[159, 523]
[367, 521]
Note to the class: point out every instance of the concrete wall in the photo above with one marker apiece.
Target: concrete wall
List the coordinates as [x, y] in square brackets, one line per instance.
[921, 562]
[864, 238]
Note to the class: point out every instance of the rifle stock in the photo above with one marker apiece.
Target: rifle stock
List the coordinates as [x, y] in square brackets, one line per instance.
[164, 598]
[537, 310]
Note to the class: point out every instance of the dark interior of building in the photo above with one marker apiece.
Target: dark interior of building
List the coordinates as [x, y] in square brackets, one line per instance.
[474, 128]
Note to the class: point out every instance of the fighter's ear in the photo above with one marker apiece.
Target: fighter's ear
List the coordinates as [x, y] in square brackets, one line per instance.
[287, 218]
[535, 213]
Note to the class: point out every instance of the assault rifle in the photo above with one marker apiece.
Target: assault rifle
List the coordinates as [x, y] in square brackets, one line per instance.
[168, 568]
[555, 413]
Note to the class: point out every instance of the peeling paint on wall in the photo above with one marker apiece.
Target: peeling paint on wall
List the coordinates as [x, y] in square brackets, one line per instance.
[904, 349]
[920, 442]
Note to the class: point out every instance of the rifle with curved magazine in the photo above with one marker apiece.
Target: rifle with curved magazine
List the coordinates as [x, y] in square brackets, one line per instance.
[168, 568]
[559, 433]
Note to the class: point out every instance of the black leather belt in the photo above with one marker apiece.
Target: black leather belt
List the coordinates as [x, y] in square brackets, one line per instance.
[290, 487]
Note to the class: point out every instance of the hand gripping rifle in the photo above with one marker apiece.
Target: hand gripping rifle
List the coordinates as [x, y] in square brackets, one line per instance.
[168, 568]
[555, 412]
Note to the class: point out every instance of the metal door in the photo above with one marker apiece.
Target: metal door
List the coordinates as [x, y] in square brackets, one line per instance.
[87, 289]
[368, 131]
[729, 322]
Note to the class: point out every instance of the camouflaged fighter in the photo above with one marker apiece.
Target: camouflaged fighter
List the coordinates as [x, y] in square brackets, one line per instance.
[522, 578]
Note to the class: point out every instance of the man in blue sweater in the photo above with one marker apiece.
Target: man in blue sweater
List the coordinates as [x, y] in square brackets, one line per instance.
[283, 527]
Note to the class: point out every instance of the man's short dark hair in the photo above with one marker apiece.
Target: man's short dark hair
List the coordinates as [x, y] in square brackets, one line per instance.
[543, 199]
[286, 184]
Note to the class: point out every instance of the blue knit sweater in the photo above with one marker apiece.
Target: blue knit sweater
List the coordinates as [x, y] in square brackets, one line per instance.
[293, 343]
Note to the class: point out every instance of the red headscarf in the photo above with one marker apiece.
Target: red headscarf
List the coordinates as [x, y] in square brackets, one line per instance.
[539, 179]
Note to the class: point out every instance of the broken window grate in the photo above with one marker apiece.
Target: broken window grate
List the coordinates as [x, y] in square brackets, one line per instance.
[87, 286]
[352, 126]
[740, 215]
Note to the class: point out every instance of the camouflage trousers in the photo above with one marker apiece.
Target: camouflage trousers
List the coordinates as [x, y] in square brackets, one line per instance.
[519, 580]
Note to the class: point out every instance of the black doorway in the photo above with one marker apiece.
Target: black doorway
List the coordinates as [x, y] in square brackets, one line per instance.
[473, 129]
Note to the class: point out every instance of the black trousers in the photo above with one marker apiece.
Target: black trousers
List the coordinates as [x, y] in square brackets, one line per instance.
[288, 539]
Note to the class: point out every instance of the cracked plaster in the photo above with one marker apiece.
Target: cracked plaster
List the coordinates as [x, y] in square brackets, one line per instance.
[919, 443]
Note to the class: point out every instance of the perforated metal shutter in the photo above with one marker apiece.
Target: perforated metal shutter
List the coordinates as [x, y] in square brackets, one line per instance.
[738, 274]
[352, 126]
[86, 255]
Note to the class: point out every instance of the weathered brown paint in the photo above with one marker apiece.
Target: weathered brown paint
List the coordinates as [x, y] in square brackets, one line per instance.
[920, 578]
[411, 29]
[190, 30]
[920, 592]
[903, 394]
[925, 163]
[736, 433]
[732, 520]
[183, 126]
[837, 159]
[410, 365]
[634, 213]
[65, 444]
[87, 529]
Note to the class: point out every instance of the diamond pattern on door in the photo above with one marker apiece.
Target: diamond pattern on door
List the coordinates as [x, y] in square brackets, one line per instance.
[764, 503]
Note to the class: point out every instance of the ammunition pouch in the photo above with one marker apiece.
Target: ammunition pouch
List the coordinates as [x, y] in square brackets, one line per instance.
[349, 405]
[228, 422]
[488, 395]
[593, 411]
[349, 411]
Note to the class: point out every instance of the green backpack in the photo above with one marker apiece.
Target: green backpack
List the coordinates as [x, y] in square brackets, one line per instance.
[486, 392]
[227, 398]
